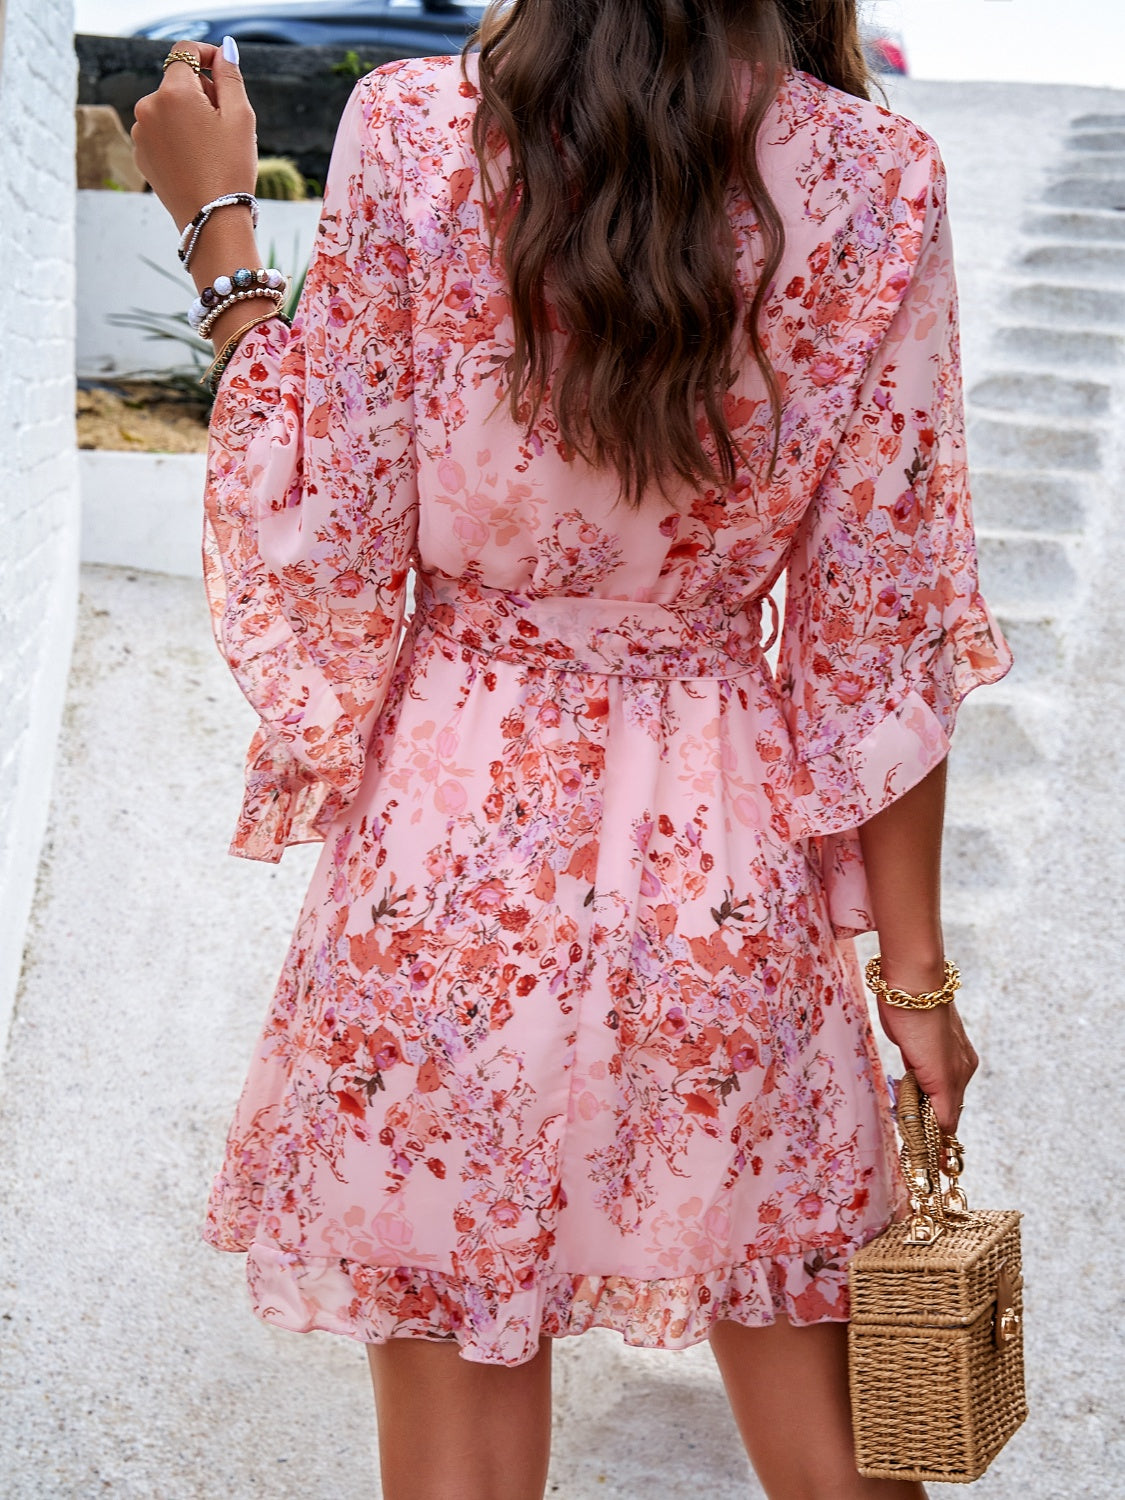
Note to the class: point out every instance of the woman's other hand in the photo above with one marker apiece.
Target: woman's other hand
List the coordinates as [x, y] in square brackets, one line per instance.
[194, 137]
[935, 1046]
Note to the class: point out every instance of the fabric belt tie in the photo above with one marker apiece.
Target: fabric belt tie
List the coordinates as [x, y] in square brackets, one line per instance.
[584, 633]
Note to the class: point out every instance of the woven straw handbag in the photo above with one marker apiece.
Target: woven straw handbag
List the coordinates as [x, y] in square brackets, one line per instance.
[935, 1342]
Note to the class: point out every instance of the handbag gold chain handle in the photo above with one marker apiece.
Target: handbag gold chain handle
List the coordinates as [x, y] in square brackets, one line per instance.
[925, 1154]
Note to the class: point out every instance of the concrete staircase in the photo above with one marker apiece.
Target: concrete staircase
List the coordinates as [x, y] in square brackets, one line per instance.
[1041, 444]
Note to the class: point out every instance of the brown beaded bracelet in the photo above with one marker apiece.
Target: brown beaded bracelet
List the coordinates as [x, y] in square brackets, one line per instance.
[873, 973]
[214, 373]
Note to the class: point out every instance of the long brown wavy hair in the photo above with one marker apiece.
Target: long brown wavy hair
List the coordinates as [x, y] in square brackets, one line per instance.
[622, 120]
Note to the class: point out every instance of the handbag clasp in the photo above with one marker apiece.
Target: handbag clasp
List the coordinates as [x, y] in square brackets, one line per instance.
[924, 1227]
[1008, 1320]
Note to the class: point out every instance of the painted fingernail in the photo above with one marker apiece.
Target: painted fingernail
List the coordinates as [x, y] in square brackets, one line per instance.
[230, 50]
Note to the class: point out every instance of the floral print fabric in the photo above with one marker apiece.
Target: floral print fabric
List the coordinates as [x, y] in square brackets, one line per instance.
[571, 1030]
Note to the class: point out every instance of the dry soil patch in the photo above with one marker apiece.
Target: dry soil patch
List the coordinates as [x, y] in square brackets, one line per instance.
[140, 416]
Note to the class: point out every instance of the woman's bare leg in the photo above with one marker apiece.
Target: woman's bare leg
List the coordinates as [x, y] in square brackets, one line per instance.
[788, 1389]
[450, 1429]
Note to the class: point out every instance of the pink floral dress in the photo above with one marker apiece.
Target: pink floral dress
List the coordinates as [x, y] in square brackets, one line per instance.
[571, 1030]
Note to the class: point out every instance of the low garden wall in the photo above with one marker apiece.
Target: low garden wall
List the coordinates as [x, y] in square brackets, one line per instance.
[298, 93]
[143, 510]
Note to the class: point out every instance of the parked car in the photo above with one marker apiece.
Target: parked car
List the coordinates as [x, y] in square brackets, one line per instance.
[885, 51]
[880, 22]
[425, 28]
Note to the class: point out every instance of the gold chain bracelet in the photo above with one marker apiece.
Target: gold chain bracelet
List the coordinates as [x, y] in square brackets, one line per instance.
[902, 998]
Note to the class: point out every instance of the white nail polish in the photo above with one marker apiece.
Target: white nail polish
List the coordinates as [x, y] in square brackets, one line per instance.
[230, 50]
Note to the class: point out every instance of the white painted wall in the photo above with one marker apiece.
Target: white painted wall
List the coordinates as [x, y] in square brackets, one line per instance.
[119, 234]
[143, 510]
[38, 488]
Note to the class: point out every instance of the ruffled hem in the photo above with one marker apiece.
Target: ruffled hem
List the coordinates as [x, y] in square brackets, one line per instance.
[373, 1304]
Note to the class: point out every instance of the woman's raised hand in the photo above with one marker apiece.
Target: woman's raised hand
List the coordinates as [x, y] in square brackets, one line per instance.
[194, 137]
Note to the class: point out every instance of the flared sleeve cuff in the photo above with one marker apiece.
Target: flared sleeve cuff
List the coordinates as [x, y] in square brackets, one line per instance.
[839, 790]
[283, 804]
[844, 787]
[834, 792]
[838, 786]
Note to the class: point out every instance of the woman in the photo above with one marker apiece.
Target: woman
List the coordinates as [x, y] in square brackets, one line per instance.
[571, 1031]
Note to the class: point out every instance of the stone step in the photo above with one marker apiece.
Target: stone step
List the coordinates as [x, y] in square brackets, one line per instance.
[1099, 263]
[1037, 645]
[1096, 165]
[1052, 395]
[1097, 140]
[1027, 502]
[970, 921]
[1107, 228]
[1098, 122]
[973, 858]
[965, 918]
[990, 739]
[1073, 348]
[1069, 306]
[1087, 192]
[1023, 570]
[997, 444]
[995, 800]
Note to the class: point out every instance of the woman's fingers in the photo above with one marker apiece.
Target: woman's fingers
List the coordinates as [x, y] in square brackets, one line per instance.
[178, 74]
[225, 88]
[204, 52]
[194, 137]
[181, 79]
[948, 1101]
[230, 86]
[935, 1046]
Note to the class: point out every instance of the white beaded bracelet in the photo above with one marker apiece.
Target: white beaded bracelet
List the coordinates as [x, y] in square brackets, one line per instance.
[234, 288]
[191, 234]
[276, 296]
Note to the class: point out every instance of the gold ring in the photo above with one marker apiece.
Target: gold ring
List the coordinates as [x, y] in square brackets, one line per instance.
[184, 57]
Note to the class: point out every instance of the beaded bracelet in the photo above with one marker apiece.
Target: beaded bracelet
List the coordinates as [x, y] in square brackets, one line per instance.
[190, 236]
[242, 280]
[873, 973]
[227, 290]
[215, 373]
[254, 294]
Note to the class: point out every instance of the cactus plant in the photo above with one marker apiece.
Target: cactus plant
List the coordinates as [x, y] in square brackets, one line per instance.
[279, 177]
[351, 66]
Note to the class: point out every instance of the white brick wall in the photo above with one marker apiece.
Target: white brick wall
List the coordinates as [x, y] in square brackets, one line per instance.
[39, 522]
